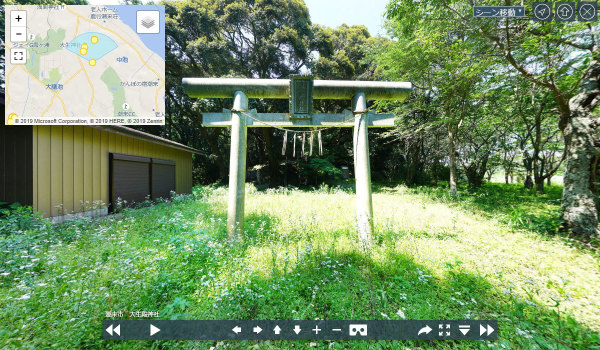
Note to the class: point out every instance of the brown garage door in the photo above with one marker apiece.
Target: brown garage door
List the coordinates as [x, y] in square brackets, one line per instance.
[133, 179]
[163, 178]
[129, 178]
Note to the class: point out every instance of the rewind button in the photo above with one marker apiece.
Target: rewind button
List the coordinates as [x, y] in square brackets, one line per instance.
[116, 330]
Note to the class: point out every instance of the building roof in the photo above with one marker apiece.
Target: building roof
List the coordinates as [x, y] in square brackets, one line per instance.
[123, 130]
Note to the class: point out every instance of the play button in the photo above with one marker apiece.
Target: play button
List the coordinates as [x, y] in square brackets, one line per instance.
[153, 330]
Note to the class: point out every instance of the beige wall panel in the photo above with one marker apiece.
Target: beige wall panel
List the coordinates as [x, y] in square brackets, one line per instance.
[111, 142]
[96, 170]
[130, 145]
[43, 173]
[104, 168]
[88, 168]
[67, 178]
[71, 166]
[78, 168]
[119, 143]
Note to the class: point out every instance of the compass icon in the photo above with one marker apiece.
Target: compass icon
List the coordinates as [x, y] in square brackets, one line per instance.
[542, 11]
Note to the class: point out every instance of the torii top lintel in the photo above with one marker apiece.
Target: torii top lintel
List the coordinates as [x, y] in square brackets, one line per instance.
[280, 88]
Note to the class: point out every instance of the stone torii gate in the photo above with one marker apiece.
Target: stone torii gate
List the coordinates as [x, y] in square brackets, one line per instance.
[300, 89]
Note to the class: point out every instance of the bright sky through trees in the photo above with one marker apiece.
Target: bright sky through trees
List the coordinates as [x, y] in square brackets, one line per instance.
[331, 13]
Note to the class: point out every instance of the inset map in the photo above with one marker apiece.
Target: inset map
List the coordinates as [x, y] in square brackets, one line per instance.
[82, 65]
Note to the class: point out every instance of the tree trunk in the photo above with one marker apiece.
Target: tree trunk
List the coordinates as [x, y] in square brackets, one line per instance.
[476, 172]
[539, 185]
[412, 162]
[549, 181]
[212, 137]
[272, 160]
[527, 164]
[473, 177]
[528, 182]
[579, 202]
[538, 178]
[452, 154]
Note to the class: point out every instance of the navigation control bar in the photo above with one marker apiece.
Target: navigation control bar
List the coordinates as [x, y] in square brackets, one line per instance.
[299, 330]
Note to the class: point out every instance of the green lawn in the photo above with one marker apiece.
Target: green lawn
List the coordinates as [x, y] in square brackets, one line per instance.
[487, 255]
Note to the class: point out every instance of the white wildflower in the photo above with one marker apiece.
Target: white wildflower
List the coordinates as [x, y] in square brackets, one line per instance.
[401, 314]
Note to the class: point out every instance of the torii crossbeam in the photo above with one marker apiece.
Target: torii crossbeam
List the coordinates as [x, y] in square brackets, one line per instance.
[300, 90]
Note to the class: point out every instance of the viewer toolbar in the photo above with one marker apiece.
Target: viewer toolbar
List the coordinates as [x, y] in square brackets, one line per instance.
[299, 330]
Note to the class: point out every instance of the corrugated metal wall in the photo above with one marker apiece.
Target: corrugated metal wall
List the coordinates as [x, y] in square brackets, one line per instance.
[70, 166]
[15, 164]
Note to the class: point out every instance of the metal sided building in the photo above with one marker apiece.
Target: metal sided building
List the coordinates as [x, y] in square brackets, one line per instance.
[63, 170]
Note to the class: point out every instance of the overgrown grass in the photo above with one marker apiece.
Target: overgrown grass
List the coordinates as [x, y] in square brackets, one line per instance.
[299, 259]
[511, 204]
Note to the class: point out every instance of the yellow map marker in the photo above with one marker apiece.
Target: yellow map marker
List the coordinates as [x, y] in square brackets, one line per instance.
[92, 62]
[10, 120]
[83, 51]
[84, 46]
[94, 39]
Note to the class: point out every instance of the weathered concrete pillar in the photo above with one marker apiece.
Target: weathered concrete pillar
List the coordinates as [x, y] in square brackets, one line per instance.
[362, 171]
[237, 167]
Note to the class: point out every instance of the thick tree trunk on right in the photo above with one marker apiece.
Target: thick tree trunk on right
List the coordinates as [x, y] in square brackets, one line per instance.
[579, 202]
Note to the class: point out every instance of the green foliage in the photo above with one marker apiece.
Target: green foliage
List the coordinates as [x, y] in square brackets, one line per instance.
[342, 53]
[320, 170]
[514, 204]
[498, 90]
[15, 219]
